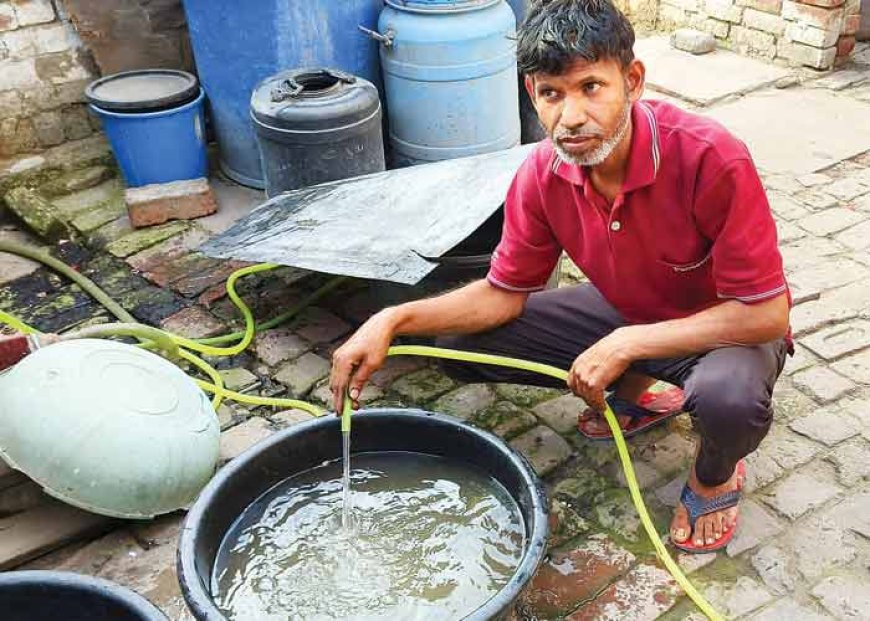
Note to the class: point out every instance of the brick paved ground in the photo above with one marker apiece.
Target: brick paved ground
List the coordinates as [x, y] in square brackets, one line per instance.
[802, 550]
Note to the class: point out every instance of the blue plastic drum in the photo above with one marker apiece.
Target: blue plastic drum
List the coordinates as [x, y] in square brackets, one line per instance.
[155, 123]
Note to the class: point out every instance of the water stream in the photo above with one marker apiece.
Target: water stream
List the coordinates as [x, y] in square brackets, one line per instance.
[430, 539]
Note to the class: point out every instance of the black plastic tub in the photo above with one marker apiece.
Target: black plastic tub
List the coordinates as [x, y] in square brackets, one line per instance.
[54, 595]
[308, 444]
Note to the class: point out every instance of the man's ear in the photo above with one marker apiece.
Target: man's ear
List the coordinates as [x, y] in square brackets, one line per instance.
[530, 89]
[635, 79]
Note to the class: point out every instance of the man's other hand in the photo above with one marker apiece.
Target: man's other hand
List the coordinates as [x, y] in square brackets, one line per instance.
[600, 366]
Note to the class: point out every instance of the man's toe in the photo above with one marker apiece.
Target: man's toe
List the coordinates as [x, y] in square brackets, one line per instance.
[680, 528]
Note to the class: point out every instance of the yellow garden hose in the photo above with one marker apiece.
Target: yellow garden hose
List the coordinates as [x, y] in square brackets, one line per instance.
[181, 344]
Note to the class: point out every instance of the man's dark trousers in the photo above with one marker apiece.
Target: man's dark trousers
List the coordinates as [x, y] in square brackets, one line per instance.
[728, 390]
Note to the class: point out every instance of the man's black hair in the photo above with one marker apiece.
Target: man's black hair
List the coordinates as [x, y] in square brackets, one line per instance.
[557, 32]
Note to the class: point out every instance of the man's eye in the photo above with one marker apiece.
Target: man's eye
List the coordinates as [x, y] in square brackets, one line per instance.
[548, 93]
[591, 87]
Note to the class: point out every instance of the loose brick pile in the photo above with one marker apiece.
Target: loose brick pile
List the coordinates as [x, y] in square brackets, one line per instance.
[814, 33]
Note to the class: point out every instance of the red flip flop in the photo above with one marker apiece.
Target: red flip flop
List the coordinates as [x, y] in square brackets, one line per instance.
[653, 408]
[697, 506]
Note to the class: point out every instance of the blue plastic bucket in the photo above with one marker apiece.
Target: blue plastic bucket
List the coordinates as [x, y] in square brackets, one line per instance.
[158, 147]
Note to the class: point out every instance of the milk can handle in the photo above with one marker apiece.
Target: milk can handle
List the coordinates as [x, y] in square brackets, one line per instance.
[292, 88]
[387, 39]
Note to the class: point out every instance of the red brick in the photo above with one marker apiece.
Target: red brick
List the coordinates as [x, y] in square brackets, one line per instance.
[851, 24]
[645, 592]
[161, 202]
[828, 4]
[569, 578]
[845, 45]
[818, 17]
[194, 323]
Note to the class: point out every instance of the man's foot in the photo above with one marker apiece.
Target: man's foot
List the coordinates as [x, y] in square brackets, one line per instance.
[650, 409]
[713, 529]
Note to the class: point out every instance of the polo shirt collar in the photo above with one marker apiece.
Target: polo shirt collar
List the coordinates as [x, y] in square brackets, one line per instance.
[644, 156]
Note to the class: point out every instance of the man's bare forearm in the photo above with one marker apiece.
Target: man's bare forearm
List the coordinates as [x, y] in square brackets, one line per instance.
[475, 307]
[727, 324]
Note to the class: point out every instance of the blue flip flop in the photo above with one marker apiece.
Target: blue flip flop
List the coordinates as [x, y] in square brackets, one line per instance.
[696, 506]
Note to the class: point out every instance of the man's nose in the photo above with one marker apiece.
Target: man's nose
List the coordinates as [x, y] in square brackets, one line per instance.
[573, 114]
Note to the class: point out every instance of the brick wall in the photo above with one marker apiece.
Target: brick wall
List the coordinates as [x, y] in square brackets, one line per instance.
[813, 33]
[43, 72]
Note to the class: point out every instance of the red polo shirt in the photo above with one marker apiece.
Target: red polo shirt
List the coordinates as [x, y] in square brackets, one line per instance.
[690, 227]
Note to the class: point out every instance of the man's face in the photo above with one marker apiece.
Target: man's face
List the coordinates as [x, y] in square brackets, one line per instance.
[586, 110]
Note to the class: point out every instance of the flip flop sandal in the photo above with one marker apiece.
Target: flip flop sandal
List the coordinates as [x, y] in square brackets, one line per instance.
[696, 506]
[658, 408]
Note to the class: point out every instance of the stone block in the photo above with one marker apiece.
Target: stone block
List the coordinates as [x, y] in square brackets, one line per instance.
[715, 27]
[800, 54]
[788, 608]
[136, 241]
[646, 592]
[193, 322]
[323, 395]
[527, 396]
[845, 597]
[828, 274]
[856, 237]
[423, 386]
[578, 575]
[278, 345]
[37, 213]
[856, 368]
[775, 568]
[816, 199]
[288, 418]
[848, 189]
[239, 379]
[177, 200]
[839, 340]
[302, 374]
[49, 128]
[170, 250]
[800, 493]
[786, 448]
[76, 124]
[852, 461]
[762, 20]
[8, 19]
[768, 6]
[31, 12]
[725, 10]
[815, 37]
[19, 74]
[506, 420]
[801, 360]
[693, 41]
[824, 542]
[614, 510]
[93, 219]
[669, 454]
[823, 384]
[737, 599]
[685, 5]
[544, 449]
[318, 325]
[561, 413]
[830, 426]
[830, 221]
[753, 41]
[240, 438]
[671, 17]
[755, 526]
[466, 402]
[396, 367]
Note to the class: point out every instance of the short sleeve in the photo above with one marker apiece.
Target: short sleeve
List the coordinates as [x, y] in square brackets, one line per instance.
[732, 210]
[528, 250]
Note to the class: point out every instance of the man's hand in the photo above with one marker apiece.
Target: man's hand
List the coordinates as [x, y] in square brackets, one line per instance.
[354, 362]
[599, 366]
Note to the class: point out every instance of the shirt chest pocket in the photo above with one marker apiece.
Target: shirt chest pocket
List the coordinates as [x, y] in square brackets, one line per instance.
[687, 264]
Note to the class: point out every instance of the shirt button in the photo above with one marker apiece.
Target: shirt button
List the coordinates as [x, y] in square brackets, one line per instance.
[615, 225]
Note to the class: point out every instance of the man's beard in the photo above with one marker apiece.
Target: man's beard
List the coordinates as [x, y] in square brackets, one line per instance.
[598, 155]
